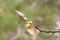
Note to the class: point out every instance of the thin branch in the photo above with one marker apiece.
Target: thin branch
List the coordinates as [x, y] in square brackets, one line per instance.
[49, 31]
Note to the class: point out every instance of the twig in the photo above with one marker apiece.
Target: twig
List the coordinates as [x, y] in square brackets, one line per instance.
[48, 31]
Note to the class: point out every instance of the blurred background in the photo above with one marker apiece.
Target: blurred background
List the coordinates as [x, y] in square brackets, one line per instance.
[45, 14]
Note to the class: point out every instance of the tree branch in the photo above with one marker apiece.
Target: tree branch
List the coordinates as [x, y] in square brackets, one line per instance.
[49, 31]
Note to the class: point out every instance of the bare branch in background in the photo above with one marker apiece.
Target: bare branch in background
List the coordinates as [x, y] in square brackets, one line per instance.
[48, 36]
